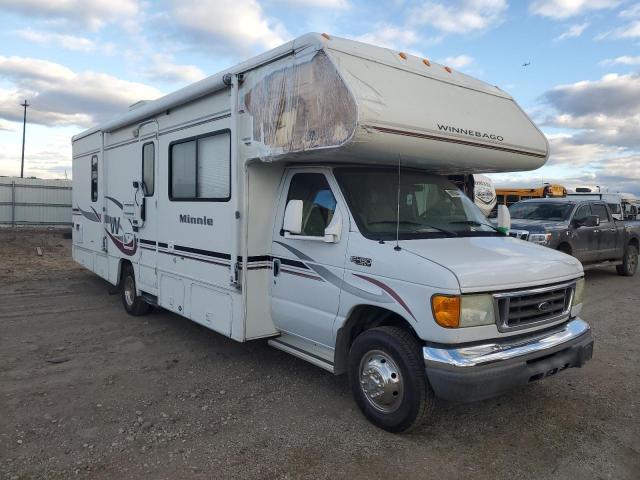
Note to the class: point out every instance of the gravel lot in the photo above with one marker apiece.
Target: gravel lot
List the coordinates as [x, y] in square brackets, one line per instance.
[87, 391]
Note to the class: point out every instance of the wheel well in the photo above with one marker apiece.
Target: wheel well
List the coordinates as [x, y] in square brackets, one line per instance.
[121, 265]
[634, 242]
[361, 318]
[565, 247]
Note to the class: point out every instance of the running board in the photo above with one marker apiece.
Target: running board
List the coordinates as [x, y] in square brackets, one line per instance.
[305, 350]
[609, 263]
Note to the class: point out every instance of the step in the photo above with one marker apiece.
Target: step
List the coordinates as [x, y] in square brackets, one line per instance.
[304, 349]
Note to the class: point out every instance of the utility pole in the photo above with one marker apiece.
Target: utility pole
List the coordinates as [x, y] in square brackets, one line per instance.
[24, 128]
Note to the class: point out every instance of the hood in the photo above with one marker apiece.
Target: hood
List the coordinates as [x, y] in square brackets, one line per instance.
[537, 225]
[496, 263]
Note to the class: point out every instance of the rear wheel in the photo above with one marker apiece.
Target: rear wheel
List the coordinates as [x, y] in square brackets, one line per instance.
[629, 262]
[133, 303]
[388, 380]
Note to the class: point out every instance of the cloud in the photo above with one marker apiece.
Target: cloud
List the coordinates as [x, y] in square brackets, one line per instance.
[60, 96]
[605, 111]
[69, 42]
[461, 16]
[459, 61]
[90, 14]
[390, 36]
[623, 60]
[163, 69]
[571, 151]
[326, 4]
[573, 31]
[629, 31]
[5, 126]
[561, 9]
[240, 25]
[632, 12]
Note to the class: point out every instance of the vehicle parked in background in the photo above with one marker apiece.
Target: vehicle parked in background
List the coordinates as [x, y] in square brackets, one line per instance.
[509, 196]
[484, 194]
[580, 227]
[630, 206]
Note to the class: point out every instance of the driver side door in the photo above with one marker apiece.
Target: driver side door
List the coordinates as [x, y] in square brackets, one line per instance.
[307, 272]
[585, 239]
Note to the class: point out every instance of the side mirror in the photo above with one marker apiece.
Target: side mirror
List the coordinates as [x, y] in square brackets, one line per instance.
[504, 219]
[293, 217]
[334, 229]
[592, 221]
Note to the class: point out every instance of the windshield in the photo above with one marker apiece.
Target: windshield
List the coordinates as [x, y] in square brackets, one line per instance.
[430, 206]
[541, 211]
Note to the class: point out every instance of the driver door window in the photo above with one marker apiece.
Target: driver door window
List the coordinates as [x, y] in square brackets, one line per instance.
[319, 204]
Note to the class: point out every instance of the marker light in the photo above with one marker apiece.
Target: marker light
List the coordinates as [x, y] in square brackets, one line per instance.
[326, 35]
[578, 296]
[426, 62]
[447, 69]
[403, 55]
[446, 310]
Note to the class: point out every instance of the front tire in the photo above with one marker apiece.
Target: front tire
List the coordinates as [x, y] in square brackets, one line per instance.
[629, 262]
[133, 303]
[388, 379]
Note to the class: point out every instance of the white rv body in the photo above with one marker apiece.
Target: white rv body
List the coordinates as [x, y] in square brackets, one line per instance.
[203, 224]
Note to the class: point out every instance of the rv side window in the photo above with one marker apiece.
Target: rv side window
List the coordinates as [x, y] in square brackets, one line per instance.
[318, 202]
[94, 178]
[201, 168]
[148, 160]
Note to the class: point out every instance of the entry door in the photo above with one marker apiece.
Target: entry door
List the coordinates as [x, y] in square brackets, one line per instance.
[148, 232]
[306, 272]
[585, 243]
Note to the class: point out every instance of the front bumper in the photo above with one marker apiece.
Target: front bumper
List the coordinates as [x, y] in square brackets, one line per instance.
[480, 371]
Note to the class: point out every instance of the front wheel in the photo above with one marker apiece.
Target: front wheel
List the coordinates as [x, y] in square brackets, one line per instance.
[629, 262]
[388, 380]
[133, 303]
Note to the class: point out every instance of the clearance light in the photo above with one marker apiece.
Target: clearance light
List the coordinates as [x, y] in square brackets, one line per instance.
[578, 296]
[447, 69]
[403, 55]
[326, 35]
[446, 310]
[426, 62]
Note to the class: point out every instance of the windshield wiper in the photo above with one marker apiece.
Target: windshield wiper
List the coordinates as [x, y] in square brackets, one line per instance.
[474, 223]
[441, 230]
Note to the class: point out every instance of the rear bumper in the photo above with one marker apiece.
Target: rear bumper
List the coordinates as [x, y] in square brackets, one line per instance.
[480, 371]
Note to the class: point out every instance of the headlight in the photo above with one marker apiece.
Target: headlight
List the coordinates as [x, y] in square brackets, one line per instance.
[578, 295]
[540, 238]
[452, 311]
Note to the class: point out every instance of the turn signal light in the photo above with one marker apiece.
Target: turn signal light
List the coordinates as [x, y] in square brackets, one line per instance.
[446, 310]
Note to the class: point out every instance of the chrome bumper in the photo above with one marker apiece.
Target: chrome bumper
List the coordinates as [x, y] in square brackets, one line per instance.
[484, 354]
[476, 372]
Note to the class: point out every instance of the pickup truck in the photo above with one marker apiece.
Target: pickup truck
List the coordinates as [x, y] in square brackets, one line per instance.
[583, 228]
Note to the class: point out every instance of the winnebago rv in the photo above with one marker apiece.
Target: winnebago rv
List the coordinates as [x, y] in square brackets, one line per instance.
[307, 196]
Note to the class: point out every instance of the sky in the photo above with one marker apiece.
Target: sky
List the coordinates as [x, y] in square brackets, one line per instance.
[81, 62]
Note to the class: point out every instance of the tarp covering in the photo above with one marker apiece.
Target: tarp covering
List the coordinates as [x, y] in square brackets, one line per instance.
[301, 105]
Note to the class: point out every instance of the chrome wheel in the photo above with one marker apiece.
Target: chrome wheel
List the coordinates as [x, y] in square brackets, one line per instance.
[632, 260]
[129, 288]
[381, 381]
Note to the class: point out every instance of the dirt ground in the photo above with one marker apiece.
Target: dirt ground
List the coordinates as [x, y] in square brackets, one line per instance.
[87, 391]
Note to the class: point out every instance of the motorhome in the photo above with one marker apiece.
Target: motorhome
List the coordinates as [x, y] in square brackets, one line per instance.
[308, 196]
[484, 194]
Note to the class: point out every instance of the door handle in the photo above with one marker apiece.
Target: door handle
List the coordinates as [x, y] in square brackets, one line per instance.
[276, 267]
[612, 230]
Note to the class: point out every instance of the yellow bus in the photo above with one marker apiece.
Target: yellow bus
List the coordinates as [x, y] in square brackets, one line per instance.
[509, 196]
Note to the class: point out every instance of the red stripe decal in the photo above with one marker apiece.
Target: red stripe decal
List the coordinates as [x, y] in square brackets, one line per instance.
[389, 290]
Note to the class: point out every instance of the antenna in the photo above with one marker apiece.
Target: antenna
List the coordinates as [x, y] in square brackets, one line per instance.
[397, 247]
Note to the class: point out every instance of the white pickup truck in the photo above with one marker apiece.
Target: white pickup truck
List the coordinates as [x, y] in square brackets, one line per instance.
[309, 196]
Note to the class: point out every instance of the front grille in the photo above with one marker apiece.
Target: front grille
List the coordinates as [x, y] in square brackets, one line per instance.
[521, 234]
[527, 308]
